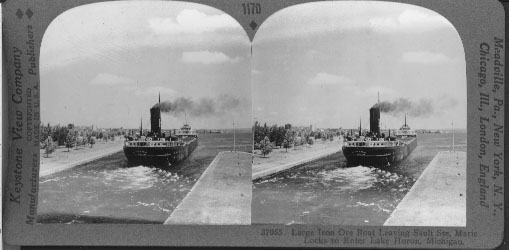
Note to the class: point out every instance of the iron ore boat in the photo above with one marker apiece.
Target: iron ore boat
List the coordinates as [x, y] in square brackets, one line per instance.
[376, 149]
[156, 148]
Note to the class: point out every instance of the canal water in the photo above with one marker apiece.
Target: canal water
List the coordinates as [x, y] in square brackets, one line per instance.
[107, 191]
[327, 192]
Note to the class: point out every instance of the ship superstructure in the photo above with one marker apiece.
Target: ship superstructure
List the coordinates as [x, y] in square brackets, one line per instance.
[377, 149]
[158, 148]
[405, 131]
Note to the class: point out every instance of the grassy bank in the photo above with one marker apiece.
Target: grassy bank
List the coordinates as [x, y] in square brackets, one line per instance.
[63, 158]
[281, 159]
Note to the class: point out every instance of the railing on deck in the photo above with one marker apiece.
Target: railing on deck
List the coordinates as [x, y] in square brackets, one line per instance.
[154, 143]
[372, 143]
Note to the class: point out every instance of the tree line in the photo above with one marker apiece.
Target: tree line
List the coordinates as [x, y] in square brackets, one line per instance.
[268, 137]
[52, 137]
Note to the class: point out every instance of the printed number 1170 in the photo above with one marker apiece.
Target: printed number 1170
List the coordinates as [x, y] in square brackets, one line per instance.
[252, 8]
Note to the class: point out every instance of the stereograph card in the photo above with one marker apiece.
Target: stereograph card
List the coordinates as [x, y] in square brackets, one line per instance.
[372, 124]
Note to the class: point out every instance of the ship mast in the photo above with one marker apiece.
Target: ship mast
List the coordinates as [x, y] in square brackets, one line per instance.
[360, 128]
[159, 105]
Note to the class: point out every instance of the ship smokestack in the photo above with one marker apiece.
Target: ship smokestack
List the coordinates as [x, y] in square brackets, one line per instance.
[374, 120]
[155, 120]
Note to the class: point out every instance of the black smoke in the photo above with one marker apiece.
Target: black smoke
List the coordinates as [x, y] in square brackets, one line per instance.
[201, 107]
[423, 107]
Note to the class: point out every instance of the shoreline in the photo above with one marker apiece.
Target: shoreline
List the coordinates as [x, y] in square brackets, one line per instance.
[63, 160]
[281, 161]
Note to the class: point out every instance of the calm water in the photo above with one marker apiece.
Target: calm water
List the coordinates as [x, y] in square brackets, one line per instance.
[327, 192]
[106, 191]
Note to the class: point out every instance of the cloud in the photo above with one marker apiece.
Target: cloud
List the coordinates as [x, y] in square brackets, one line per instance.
[207, 57]
[329, 79]
[315, 54]
[410, 20]
[152, 91]
[117, 29]
[193, 22]
[110, 79]
[311, 19]
[425, 57]
[384, 92]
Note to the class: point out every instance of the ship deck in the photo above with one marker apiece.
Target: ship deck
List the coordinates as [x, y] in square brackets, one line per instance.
[378, 153]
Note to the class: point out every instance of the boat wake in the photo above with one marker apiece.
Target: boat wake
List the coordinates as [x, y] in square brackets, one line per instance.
[140, 177]
[358, 178]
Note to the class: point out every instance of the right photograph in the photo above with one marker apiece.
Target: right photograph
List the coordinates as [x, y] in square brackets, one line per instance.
[359, 117]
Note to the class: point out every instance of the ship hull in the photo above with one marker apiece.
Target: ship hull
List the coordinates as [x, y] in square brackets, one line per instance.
[378, 156]
[157, 156]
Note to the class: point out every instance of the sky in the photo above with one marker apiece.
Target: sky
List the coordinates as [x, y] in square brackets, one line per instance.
[324, 64]
[320, 64]
[104, 64]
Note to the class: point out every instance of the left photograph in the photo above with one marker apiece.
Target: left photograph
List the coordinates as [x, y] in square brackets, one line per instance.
[145, 116]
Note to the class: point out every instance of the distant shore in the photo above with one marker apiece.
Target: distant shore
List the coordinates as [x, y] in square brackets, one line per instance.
[61, 159]
[279, 159]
